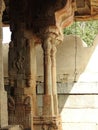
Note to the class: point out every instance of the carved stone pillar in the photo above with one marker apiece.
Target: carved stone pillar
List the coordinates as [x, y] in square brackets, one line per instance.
[3, 95]
[31, 77]
[22, 72]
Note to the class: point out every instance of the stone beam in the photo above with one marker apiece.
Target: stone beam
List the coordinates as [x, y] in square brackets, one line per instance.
[86, 17]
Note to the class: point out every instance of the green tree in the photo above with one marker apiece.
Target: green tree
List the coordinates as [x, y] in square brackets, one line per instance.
[86, 30]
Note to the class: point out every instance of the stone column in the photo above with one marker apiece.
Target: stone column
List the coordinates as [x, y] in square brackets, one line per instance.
[31, 80]
[54, 85]
[50, 118]
[22, 68]
[31, 76]
[3, 95]
[53, 36]
[48, 98]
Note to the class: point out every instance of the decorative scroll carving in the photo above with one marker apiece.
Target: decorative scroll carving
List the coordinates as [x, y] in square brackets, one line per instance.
[65, 16]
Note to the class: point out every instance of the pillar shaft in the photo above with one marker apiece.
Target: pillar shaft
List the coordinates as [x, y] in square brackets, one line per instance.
[48, 98]
[47, 67]
[54, 84]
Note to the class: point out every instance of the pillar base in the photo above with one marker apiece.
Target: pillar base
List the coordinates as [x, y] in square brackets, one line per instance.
[47, 123]
[48, 105]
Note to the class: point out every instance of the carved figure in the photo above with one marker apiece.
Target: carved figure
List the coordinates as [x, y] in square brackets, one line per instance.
[11, 103]
[19, 62]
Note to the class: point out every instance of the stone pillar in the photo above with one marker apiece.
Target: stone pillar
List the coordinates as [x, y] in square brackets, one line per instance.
[53, 37]
[48, 97]
[30, 90]
[22, 70]
[50, 118]
[54, 85]
[31, 77]
[3, 95]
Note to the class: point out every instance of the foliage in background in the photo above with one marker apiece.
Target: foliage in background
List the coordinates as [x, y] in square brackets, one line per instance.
[86, 30]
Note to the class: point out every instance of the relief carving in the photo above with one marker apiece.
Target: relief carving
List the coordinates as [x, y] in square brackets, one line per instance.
[19, 62]
[11, 103]
[19, 55]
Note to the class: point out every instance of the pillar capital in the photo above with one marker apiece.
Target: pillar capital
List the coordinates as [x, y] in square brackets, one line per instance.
[52, 35]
